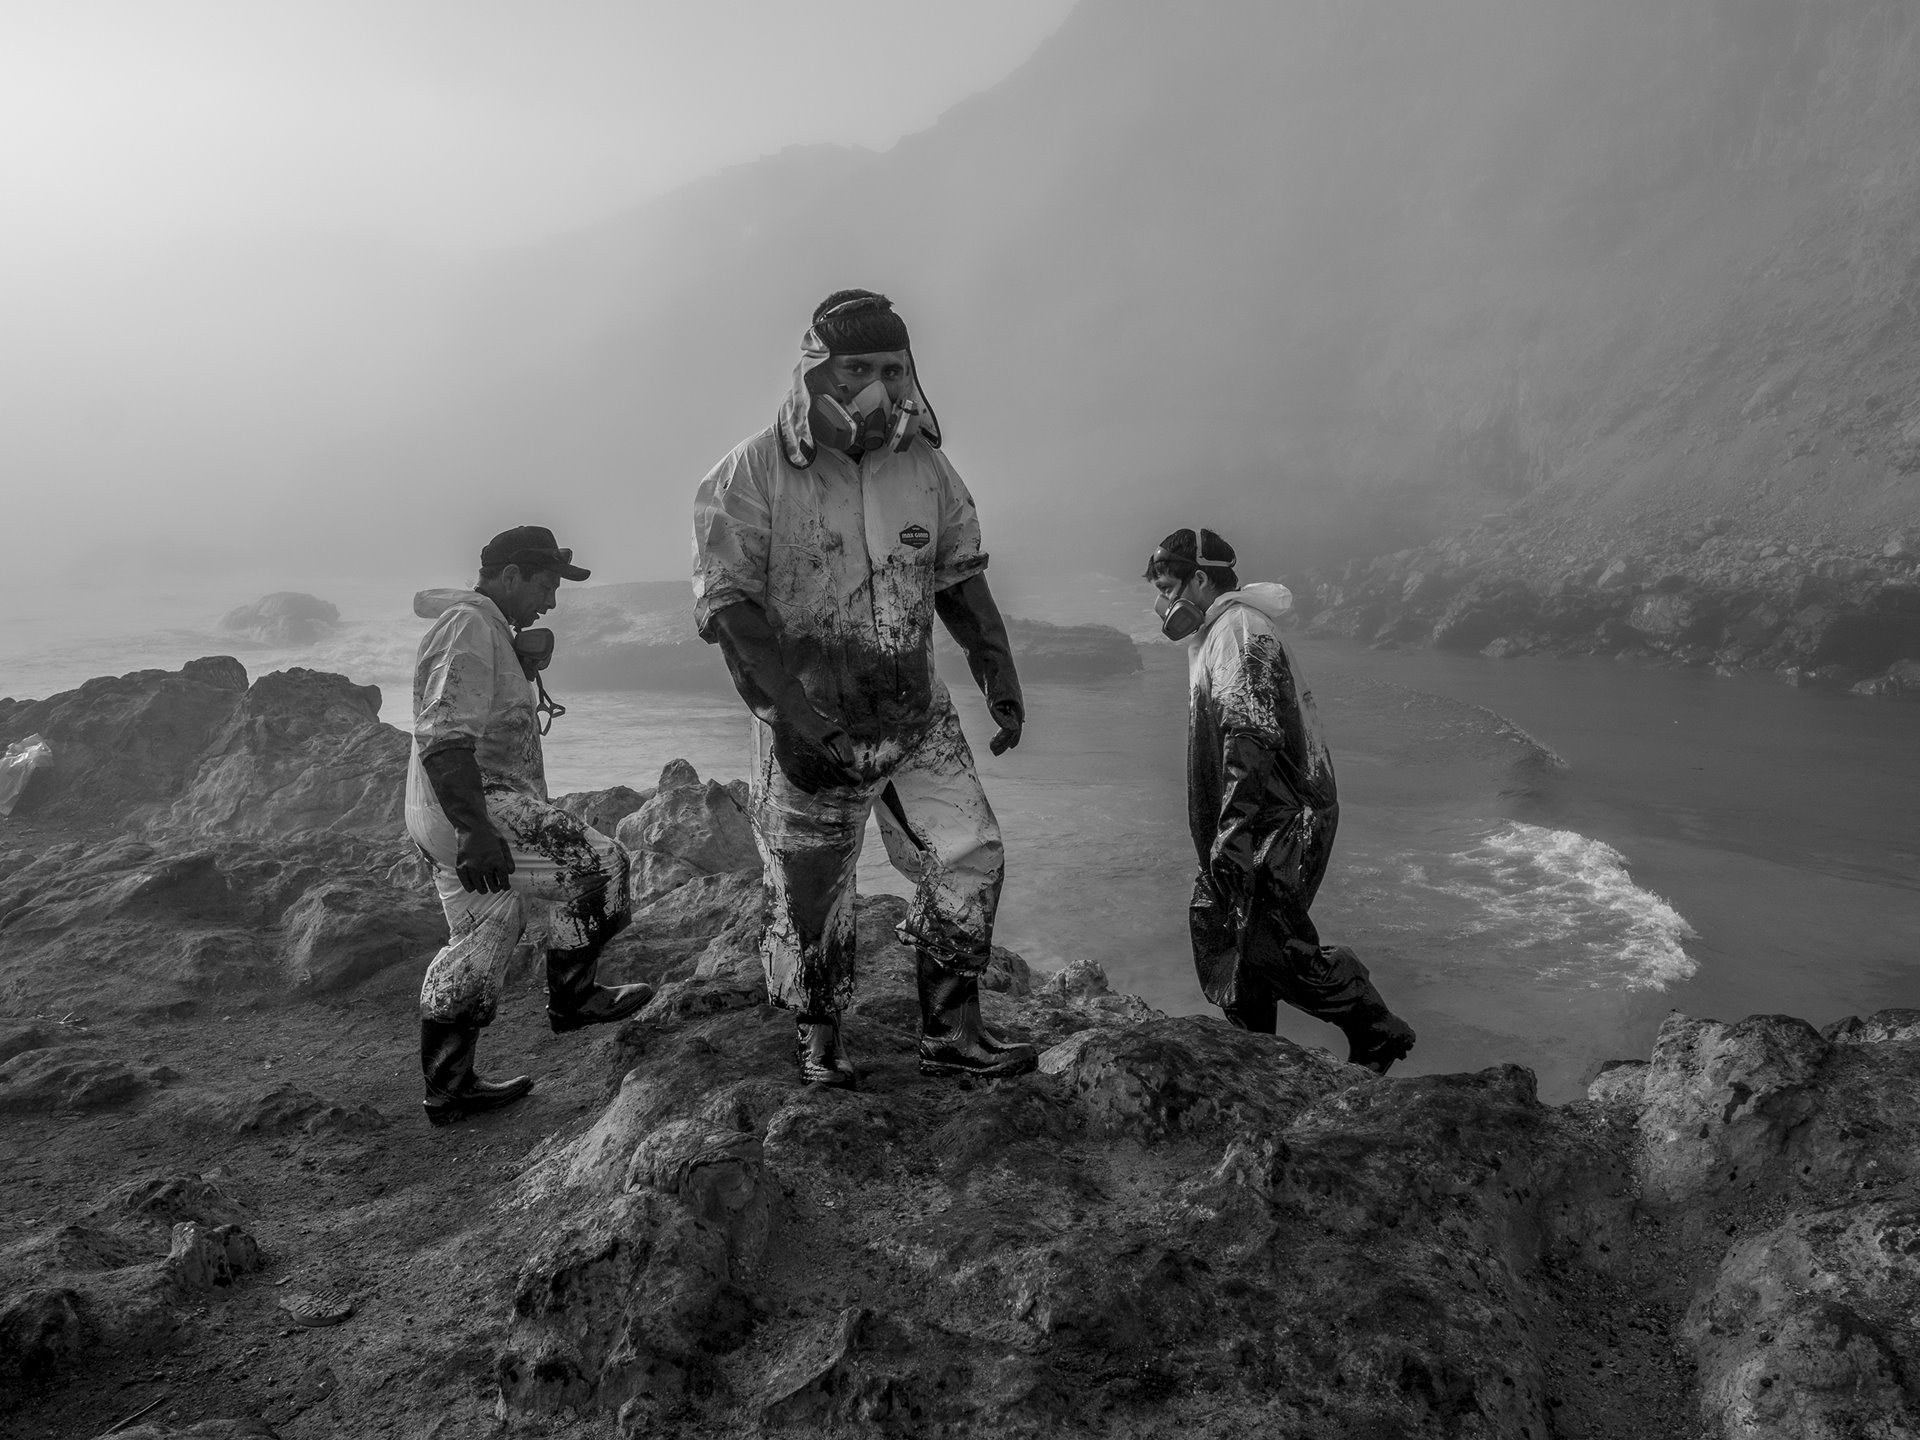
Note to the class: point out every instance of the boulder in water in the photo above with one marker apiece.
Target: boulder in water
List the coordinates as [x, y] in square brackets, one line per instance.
[286, 617]
[1053, 653]
[641, 637]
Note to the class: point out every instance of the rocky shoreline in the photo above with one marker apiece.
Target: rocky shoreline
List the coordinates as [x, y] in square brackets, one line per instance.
[223, 1205]
[1704, 594]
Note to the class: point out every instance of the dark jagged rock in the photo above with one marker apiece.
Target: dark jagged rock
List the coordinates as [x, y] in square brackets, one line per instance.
[269, 826]
[603, 810]
[123, 1276]
[286, 617]
[298, 750]
[1173, 1226]
[124, 741]
[1251, 1234]
[303, 751]
[339, 933]
[201, 1257]
[686, 829]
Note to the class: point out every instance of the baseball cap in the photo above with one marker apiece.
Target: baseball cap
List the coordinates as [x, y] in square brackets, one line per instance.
[531, 547]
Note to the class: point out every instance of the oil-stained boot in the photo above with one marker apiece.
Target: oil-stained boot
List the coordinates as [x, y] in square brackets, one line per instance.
[953, 1038]
[1377, 1040]
[821, 1048]
[576, 999]
[453, 1090]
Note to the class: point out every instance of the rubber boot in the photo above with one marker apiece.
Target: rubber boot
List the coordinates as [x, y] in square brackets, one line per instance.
[821, 1048]
[953, 1039]
[1377, 1040]
[575, 999]
[453, 1090]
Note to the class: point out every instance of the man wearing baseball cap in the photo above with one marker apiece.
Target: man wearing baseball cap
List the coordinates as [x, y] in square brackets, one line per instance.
[824, 548]
[505, 858]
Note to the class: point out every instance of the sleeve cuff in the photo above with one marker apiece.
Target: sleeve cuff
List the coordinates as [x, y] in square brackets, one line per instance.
[957, 572]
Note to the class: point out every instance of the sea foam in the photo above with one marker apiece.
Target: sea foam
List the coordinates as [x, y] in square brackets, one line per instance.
[1568, 902]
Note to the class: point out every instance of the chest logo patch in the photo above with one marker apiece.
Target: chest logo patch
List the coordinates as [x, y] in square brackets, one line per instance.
[916, 536]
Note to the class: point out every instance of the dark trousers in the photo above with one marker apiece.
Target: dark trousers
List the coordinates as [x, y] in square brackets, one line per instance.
[1250, 957]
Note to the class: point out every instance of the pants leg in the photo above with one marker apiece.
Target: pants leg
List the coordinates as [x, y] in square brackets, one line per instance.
[941, 833]
[1247, 967]
[462, 983]
[1328, 982]
[810, 846]
[569, 888]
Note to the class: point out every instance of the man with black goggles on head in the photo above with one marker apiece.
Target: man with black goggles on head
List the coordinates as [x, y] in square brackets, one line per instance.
[505, 858]
[1262, 807]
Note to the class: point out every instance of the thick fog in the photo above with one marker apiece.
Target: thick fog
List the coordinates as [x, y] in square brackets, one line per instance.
[333, 289]
[248, 250]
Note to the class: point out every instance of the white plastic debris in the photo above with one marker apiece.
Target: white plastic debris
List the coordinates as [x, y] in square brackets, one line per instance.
[23, 757]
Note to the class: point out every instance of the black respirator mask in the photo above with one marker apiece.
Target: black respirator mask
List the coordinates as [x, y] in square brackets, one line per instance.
[866, 422]
[1179, 616]
[534, 649]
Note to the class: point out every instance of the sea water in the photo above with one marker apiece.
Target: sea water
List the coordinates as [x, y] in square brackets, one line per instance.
[1538, 859]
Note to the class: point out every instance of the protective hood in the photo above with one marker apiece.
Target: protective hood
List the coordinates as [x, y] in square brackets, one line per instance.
[1269, 597]
[432, 604]
[795, 422]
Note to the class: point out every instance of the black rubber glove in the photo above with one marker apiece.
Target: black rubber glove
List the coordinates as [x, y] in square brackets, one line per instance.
[972, 618]
[482, 860]
[813, 749]
[1249, 816]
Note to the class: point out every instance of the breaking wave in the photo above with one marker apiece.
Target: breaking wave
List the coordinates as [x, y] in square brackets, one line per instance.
[1561, 903]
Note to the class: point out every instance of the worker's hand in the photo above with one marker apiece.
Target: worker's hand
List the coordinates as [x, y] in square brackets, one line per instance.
[815, 752]
[1011, 717]
[483, 861]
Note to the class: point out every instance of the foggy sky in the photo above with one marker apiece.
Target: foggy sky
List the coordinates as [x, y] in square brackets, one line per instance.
[451, 123]
[343, 286]
[233, 234]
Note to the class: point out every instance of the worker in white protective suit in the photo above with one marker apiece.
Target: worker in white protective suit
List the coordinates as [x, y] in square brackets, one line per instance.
[506, 860]
[1262, 807]
[824, 547]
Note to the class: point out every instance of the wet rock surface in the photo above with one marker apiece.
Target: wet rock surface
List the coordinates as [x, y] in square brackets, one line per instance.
[208, 1074]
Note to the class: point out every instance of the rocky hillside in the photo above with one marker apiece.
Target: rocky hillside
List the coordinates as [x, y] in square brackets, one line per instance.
[1715, 594]
[224, 1216]
[1343, 276]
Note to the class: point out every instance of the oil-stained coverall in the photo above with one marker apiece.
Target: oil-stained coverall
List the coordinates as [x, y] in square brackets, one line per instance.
[846, 558]
[569, 882]
[1263, 807]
